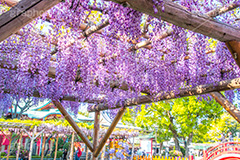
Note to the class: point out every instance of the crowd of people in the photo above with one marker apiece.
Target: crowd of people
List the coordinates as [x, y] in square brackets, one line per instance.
[224, 139]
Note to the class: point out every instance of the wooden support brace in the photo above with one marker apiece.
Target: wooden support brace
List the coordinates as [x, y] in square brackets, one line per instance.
[73, 124]
[96, 131]
[109, 131]
[227, 105]
[21, 14]
[56, 148]
[5, 135]
[234, 48]
[39, 133]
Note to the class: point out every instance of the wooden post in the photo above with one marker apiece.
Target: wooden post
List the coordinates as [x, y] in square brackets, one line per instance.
[9, 146]
[72, 147]
[51, 145]
[32, 141]
[132, 149]
[87, 154]
[43, 146]
[56, 148]
[109, 131]
[234, 48]
[19, 145]
[73, 124]
[227, 105]
[96, 130]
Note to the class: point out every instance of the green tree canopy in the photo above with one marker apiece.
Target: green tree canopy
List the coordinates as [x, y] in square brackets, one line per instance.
[188, 118]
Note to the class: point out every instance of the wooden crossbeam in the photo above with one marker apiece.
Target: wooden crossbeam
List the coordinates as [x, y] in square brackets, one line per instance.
[21, 14]
[227, 105]
[94, 29]
[198, 90]
[73, 124]
[109, 131]
[179, 16]
[212, 14]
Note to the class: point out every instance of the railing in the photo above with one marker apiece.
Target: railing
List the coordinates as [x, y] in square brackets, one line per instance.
[157, 158]
[221, 149]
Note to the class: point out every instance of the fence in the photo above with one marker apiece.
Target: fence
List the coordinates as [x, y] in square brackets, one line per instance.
[158, 158]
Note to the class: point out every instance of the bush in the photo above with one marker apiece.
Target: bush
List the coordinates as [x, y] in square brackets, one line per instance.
[3, 154]
[174, 153]
[12, 156]
[48, 156]
[59, 154]
[36, 156]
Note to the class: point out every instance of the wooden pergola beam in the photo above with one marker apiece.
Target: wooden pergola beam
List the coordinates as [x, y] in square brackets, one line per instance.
[198, 90]
[212, 14]
[179, 16]
[227, 105]
[109, 131]
[21, 14]
[73, 124]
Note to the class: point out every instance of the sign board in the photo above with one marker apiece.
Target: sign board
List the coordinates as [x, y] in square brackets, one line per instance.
[146, 145]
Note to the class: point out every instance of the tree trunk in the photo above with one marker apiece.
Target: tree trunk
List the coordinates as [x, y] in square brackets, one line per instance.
[177, 146]
[160, 150]
[187, 144]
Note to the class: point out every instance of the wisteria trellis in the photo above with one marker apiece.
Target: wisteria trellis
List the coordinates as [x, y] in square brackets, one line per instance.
[177, 61]
[131, 51]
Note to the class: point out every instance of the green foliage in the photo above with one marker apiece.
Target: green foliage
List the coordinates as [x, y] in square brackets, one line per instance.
[181, 117]
[3, 154]
[59, 154]
[48, 156]
[66, 145]
[36, 156]
[226, 124]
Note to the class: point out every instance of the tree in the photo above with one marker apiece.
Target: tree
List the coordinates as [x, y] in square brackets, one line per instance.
[226, 124]
[188, 119]
[22, 104]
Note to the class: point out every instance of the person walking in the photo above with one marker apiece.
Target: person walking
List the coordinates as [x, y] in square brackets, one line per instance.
[78, 153]
[230, 137]
[223, 138]
[65, 154]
